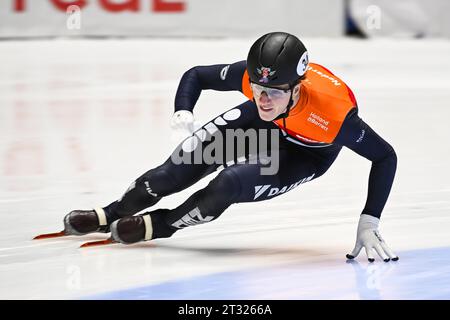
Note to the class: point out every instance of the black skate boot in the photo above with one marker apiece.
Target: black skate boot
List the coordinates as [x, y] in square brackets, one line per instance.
[81, 222]
[142, 227]
[132, 229]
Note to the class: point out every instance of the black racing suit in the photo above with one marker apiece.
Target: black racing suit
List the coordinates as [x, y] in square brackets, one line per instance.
[241, 179]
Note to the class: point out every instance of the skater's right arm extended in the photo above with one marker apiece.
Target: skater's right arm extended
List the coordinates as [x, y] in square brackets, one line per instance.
[221, 77]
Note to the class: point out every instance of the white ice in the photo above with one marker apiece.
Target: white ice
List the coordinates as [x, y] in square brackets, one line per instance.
[81, 119]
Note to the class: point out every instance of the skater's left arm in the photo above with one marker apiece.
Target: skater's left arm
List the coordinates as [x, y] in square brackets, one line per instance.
[356, 135]
[362, 139]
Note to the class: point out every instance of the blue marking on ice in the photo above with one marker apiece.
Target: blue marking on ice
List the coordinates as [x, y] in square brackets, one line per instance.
[419, 274]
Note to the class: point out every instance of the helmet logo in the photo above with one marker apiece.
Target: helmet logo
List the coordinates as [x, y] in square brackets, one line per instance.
[302, 65]
[265, 73]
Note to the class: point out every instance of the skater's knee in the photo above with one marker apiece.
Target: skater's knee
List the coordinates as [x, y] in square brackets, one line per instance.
[226, 184]
[158, 182]
[144, 192]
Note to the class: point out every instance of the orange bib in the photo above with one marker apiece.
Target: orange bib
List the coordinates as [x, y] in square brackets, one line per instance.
[324, 102]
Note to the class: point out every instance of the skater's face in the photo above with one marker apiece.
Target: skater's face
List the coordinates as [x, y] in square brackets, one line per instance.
[273, 101]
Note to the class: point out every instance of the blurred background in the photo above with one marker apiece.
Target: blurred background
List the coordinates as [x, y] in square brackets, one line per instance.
[216, 18]
[86, 97]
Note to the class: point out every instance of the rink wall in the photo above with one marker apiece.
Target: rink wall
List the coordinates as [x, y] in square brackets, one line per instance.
[162, 18]
[401, 18]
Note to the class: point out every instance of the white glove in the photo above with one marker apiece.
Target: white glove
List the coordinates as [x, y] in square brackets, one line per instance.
[182, 124]
[369, 237]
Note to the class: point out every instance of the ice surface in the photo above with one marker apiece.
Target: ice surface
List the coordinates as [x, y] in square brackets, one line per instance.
[81, 119]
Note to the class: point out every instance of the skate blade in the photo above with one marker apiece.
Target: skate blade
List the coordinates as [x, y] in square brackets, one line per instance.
[97, 243]
[50, 235]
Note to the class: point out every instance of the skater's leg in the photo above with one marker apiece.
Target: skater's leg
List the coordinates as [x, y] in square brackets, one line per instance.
[172, 177]
[238, 183]
[156, 183]
[203, 206]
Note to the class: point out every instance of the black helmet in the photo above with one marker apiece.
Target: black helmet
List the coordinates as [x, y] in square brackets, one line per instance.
[277, 58]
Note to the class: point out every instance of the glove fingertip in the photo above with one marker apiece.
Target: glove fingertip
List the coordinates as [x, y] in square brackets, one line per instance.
[371, 260]
[395, 259]
[349, 256]
[386, 260]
